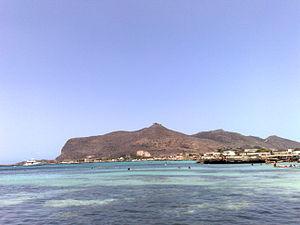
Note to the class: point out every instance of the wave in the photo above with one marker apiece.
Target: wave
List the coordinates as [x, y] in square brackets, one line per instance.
[74, 202]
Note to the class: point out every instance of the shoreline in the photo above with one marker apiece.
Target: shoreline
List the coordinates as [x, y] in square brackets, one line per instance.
[133, 161]
[104, 161]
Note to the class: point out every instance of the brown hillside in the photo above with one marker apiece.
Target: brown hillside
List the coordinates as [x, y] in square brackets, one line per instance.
[157, 140]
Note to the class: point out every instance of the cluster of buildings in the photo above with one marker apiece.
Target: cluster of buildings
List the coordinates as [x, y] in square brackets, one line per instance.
[250, 156]
[140, 156]
[220, 156]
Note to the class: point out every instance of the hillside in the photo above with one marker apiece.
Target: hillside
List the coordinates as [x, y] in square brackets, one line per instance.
[281, 143]
[236, 140]
[157, 140]
[160, 141]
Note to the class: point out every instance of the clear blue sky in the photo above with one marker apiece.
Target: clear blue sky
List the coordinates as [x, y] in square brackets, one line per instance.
[79, 68]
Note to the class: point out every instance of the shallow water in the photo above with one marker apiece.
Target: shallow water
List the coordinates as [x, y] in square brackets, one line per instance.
[150, 193]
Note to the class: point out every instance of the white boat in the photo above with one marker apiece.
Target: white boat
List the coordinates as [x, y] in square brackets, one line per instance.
[32, 163]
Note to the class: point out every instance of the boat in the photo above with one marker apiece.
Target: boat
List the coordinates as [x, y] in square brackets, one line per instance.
[32, 163]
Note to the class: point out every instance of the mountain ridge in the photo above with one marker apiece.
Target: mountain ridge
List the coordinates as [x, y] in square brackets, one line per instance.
[158, 140]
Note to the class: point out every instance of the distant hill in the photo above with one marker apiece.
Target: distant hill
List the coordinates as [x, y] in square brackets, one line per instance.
[160, 141]
[236, 140]
[281, 143]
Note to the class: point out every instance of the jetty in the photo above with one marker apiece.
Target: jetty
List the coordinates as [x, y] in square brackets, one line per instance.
[232, 161]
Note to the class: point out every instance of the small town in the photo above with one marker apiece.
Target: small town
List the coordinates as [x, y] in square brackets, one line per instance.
[221, 156]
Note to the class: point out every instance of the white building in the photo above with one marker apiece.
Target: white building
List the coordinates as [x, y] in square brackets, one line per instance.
[294, 151]
[229, 153]
[212, 154]
[143, 153]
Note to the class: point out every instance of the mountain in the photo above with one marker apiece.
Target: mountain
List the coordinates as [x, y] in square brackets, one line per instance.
[281, 143]
[232, 139]
[236, 140]
[158, 140]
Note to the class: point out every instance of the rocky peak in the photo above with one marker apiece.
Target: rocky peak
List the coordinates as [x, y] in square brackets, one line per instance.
[218, 131]
[156, 125]
[273, 137]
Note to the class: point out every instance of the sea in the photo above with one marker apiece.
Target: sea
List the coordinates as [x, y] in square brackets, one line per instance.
[149, 192]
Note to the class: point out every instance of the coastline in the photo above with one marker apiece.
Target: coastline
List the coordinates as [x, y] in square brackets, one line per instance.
[225, 156]
[103, 161]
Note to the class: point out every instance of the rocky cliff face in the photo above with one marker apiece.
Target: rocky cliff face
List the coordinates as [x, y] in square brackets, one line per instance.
[157, 140]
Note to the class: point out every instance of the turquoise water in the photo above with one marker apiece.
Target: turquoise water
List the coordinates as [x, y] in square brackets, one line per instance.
[149, 193]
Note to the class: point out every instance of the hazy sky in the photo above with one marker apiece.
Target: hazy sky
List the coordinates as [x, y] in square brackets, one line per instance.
[79, 68]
